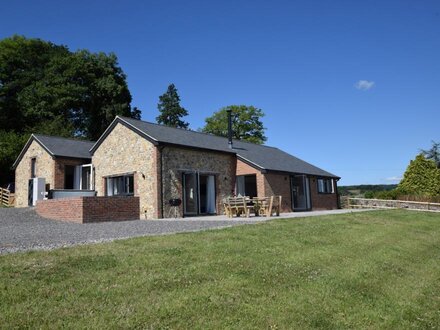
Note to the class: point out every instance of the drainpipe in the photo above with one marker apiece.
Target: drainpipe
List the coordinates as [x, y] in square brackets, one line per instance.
[229, 128]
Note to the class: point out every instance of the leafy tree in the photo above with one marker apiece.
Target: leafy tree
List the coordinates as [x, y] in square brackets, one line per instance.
[246, 123]
[136, 113]
[433, 153]
[170, 110]
[23, 64]
[422, 177]
[11, 144]
[41, 82]
[45, 88]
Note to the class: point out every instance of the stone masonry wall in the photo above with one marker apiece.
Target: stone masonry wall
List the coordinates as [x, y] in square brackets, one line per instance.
[322, 201]
[124, 151]
[177, 161]
[90, 209]
[44, 168]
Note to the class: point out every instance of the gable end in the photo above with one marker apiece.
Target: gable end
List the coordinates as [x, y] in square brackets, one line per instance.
[126, 124]
[26, 147]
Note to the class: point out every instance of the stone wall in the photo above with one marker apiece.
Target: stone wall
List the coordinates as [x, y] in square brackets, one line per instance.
[322, 201]
[126, 152]
[89, 209]
[44, 168]
[390, 204]
[176, 161]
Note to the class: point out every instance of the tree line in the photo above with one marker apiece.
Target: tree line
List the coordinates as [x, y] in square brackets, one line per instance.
[46, 88]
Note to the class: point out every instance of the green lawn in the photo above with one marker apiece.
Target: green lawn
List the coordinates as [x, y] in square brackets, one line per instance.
[362, 270]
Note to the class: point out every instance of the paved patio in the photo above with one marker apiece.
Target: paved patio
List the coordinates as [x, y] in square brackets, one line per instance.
[260, 219]
[22, 229]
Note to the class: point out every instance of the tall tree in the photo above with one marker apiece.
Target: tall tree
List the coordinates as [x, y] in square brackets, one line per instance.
[170, 110]
[41, 82]
[433, 153]
[422, 177]
[246, 123]
[23, 69]
[45, 88]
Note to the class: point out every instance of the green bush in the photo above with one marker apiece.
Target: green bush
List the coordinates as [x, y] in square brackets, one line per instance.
[422, 178]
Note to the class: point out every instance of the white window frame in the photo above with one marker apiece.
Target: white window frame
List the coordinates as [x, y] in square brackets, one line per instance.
[91, 187]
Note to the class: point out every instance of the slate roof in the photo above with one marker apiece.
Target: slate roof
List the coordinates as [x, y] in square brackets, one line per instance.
[262, 157]
[59, 147]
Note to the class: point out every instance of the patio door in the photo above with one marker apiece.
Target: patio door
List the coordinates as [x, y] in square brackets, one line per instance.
[82, 177]
[300, 193]
[86, 182]
[190, 193]
[199, 194]
[207, 194]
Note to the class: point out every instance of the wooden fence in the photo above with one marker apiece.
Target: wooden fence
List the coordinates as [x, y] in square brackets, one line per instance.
[6, 197]
[391, 204]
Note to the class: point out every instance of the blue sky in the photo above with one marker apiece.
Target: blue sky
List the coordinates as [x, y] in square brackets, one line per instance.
[350, 86]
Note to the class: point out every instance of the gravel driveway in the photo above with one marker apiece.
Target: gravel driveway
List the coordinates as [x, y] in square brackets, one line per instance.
[22, 229]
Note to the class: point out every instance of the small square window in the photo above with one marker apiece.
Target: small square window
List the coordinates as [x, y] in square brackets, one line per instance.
[325, 186]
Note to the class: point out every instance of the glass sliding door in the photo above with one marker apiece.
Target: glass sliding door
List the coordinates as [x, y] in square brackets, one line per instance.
[190, 192]
[300, 193]
[199, 196]
[207, 194]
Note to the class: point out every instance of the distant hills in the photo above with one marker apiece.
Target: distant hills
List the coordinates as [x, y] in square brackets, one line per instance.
[360, 190]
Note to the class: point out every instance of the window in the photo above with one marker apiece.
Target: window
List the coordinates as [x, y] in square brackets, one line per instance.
[120, 185]
[33, 167]
[246, 185]
[325, 186]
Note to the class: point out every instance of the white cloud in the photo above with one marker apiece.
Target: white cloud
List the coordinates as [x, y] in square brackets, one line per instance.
[393, 178]
[364, 85]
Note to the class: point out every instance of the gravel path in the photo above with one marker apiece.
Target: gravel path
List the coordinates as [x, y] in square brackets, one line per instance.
[22, 229]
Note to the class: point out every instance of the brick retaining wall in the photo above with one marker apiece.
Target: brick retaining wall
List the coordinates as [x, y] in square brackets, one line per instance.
[90, 209]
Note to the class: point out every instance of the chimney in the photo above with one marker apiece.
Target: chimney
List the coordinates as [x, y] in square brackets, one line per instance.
[229, 128]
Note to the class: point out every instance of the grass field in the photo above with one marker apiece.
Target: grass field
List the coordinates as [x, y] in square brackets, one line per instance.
[363, 270]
